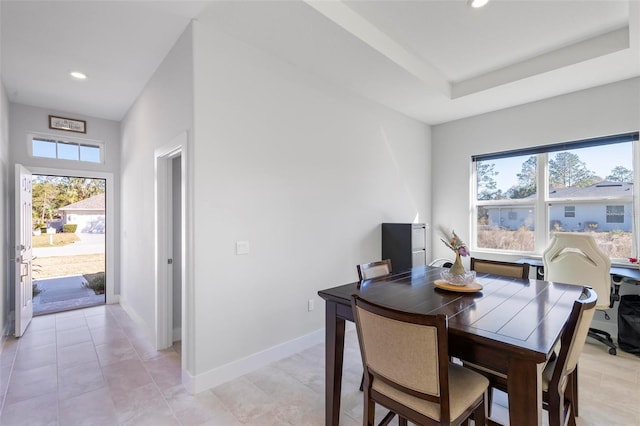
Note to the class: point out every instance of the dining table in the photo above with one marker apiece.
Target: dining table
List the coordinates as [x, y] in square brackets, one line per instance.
[508, 325]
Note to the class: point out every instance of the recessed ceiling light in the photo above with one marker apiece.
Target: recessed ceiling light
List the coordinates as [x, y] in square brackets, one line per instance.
[477, 3]
[78, 75]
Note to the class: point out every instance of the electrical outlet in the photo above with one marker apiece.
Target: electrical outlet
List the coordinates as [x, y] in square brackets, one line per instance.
[310, 305]
[242, 247]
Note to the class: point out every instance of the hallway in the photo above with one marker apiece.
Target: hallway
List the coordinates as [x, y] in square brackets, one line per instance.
[94, 366]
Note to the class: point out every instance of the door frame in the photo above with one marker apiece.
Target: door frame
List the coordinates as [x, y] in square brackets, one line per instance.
[110, 212]
[164, 156]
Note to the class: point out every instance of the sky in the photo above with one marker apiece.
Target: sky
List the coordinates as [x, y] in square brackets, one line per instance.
[599, 159]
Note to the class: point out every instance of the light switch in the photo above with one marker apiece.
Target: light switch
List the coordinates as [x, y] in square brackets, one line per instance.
[242, 247]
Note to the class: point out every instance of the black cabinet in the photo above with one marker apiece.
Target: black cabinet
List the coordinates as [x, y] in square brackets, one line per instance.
[404, 244]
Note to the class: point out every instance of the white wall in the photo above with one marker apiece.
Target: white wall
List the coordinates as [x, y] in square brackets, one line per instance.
[163, 110]
[604, 110]
[302, 171]
[5, 242]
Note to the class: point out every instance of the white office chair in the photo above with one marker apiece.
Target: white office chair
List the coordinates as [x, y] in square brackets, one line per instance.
[574, 258]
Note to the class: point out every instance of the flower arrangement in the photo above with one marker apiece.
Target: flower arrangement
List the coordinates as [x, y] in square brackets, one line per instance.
[456, 244]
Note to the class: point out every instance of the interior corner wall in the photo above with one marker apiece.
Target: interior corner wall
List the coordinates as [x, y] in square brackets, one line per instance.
[302, 171]
[604, 110]
[163, 110]
[5, 243]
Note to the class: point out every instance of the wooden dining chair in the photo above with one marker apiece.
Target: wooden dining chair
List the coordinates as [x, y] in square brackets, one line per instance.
[506, 269]
[407, 369]
[380, 268]
[559, 393]
[367, 271]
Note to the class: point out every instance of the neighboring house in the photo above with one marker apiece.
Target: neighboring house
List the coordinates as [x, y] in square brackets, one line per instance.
[88, 214]
[568, 216]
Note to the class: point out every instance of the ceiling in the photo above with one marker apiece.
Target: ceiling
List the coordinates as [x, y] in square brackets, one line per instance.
[435, 61]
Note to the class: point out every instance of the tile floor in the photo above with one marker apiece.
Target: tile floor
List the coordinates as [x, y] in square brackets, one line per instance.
[94, 367]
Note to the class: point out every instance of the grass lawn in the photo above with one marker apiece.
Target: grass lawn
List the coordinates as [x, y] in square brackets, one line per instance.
[60, 239]
[57, 266]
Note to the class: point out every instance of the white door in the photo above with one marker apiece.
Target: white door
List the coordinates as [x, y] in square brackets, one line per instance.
[24, 289]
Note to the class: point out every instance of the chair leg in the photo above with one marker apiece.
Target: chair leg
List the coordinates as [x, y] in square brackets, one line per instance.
[555, 409]
[603, 337]
[571, 393]
[480, 413]
[369, 410]
[362, 382]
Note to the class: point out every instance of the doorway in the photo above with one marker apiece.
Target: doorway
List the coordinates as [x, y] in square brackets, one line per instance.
[174, 254]
[110, 253]
[170, 241]
[69, 229]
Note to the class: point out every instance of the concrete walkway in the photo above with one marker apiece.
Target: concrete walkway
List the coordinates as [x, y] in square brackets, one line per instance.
[65, 293]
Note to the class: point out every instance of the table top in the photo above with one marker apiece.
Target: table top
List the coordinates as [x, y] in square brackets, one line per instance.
[526, 316]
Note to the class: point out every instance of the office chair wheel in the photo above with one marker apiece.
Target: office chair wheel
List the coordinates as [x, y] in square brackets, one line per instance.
[612, 351]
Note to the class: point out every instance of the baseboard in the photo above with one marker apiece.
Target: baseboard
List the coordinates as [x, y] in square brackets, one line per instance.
[137, 319]
[235, 369]
[9, 326]
[6, 332]
[113, 299]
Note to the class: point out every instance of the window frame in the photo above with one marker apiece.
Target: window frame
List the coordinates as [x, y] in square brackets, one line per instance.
[66, 141]
[542, 201]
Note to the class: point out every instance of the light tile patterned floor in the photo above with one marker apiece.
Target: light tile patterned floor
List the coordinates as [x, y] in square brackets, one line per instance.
[94, 367]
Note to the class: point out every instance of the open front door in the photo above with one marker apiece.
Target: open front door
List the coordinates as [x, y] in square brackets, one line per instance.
[24, 288]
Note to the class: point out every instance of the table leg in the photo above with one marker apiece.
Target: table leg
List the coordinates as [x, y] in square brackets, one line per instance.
[334, 356]
[524, 386]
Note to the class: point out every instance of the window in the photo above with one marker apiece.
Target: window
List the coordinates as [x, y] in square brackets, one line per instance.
[51, 147]
[583, 186]
[615, 214]
[505, 207]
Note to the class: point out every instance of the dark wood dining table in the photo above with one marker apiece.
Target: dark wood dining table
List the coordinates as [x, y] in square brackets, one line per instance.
[510, 326]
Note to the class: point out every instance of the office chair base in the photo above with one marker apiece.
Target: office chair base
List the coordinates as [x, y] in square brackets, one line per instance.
[603, 337]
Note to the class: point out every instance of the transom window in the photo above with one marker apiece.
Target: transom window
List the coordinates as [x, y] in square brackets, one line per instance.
[583, 186]
[74, 150]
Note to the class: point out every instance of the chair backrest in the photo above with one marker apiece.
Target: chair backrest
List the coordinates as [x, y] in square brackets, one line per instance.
[574, 258]
[408, 351]
[367, 271]
[574, 337]
[506, 269]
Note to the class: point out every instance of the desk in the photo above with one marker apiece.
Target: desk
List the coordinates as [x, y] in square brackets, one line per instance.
[511, 327]
[632, 272]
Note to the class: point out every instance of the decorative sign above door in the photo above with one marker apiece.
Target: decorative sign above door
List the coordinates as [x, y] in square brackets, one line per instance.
[68, 124]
